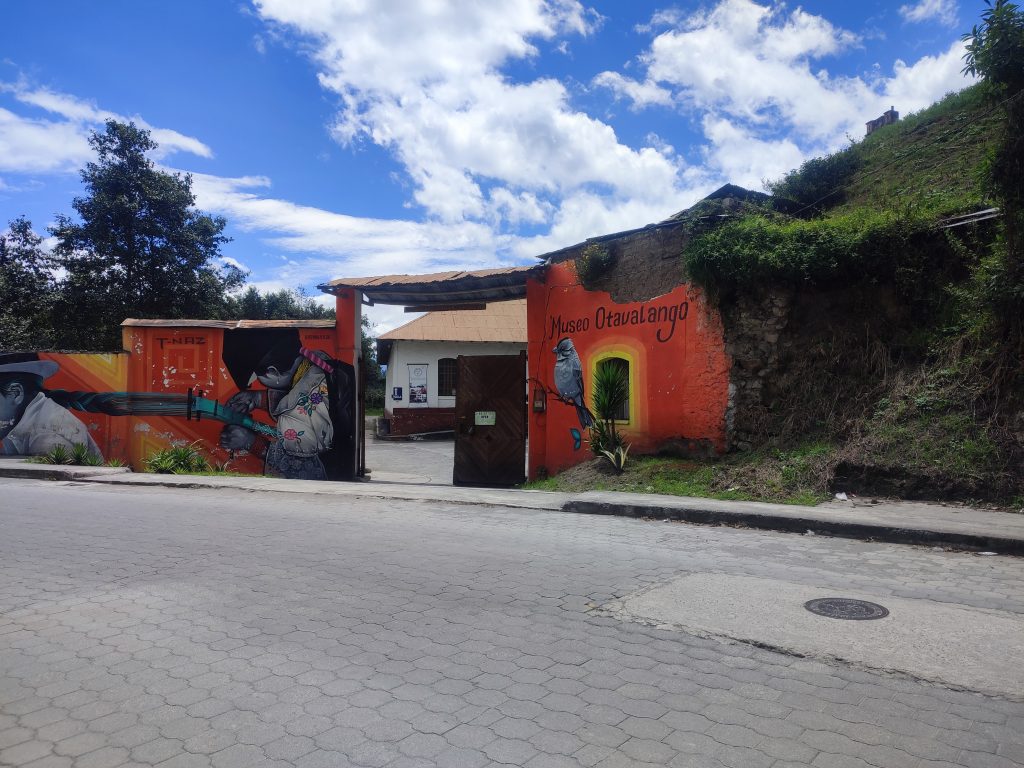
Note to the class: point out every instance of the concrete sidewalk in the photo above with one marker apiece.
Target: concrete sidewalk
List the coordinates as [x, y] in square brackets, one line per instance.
[891, 521]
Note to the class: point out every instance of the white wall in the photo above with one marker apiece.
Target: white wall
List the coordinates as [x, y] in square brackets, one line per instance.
[405, 352]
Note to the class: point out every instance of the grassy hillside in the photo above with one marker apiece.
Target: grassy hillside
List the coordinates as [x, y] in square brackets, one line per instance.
[908, 387]
[930, 161]
[868, 210]
[889, 378]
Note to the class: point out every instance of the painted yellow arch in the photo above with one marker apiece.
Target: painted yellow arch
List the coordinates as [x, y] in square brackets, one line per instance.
[622, 350]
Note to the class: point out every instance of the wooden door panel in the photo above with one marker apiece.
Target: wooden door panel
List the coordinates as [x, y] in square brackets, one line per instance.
[490, 420]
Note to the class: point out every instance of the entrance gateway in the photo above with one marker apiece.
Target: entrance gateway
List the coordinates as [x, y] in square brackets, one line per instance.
[490, 404]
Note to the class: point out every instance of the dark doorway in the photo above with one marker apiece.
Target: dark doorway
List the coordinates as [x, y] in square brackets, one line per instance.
[490, 421]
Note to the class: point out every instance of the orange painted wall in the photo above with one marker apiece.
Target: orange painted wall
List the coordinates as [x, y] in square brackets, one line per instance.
[94, 373]
[165, 360]
[679, 370]
[348, 311]
[172, 360]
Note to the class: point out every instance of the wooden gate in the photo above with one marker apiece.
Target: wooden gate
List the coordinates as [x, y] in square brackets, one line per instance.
[490, 420]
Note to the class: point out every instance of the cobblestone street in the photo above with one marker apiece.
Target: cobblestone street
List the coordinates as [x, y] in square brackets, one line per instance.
[238, 630]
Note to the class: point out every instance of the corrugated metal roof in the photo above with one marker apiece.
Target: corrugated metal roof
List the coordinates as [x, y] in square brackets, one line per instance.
[441, 288]
[227, 324]
[500, 321]
[381, 281]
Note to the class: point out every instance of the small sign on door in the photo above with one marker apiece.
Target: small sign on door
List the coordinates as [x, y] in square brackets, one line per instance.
[484, 418]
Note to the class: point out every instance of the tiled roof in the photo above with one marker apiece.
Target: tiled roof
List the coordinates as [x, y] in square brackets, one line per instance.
[500, 321]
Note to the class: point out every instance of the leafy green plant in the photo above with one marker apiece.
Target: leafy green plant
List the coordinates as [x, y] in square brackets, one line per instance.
[83, 456]
[818, 183]
[610, 396]
[995, 52]
[58, 455]
[617, 457]
[78, 455]
[599, 437]
[115, 462]
[178, 460]
[593, 262]
[762, 249]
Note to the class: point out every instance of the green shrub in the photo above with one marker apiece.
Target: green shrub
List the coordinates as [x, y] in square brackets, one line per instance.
[822, 252]
[610, 395]
[818, 183]
[83, 456]
[592, 264]
[58, 455]
[617, 457]
[374, 399]
[178, 460]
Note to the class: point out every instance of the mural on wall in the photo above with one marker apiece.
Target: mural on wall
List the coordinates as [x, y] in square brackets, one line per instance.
[269, 400]
[568, 374]
[34, 421]
[305, 393]
[671, 348]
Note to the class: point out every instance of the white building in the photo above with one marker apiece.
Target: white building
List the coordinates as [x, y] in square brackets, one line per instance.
[421, 359]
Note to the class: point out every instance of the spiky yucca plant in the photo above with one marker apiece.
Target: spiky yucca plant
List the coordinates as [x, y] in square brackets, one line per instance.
[610, 395]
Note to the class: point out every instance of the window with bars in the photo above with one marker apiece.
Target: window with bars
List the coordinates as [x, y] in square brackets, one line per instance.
[447, 376]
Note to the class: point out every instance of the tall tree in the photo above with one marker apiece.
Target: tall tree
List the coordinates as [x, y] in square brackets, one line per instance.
[995, 52]
[27, 289]
[140, 249]
[285, 304]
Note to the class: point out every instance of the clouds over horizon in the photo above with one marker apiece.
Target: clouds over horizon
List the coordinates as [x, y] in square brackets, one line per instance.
[428, 85]
[59, 142]
[503, 167]
[754, 72]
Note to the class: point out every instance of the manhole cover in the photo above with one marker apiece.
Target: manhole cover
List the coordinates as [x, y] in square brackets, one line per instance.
[846, 608]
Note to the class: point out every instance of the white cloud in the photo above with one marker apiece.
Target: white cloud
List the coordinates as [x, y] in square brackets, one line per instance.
[745, 159]
[587, 214]
[753, 73]
[54, 145]
[640, 94]
[386, 317]
[668, 17]
[35, 146]
[943, 11]
[425, 82]
[346, 246]
[915, 86]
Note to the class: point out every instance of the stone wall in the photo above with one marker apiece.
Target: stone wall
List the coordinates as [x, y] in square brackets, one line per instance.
[753, 329]
[647, 263]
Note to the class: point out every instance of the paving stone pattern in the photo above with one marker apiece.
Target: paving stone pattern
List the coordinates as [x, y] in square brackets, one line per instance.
[199, 628]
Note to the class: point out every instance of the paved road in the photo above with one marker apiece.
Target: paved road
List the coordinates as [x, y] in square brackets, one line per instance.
[410, 461]
[197, 628]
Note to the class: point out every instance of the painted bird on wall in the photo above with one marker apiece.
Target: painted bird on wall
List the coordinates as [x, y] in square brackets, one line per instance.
[569, 379]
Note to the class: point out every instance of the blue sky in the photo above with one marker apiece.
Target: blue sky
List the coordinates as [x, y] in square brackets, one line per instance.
[355, 137]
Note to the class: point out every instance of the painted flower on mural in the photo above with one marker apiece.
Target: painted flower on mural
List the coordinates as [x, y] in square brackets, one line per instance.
[309, 402]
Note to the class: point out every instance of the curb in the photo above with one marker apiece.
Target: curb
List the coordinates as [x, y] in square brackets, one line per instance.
[839, 528]
[59, 472]
[692, 510]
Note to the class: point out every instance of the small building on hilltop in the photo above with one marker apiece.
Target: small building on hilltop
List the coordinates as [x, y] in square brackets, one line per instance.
[887, 118]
